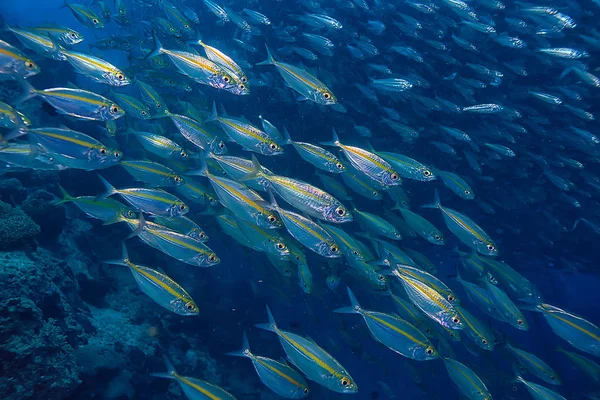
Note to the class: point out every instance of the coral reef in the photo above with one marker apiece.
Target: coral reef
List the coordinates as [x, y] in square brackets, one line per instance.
[15, 226]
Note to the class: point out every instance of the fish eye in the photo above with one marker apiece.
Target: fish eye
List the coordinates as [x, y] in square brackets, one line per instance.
[467, 192]
[120, 77]
[221, 145]
[114, 109]
[427, 172]
[242, 87]
[103, 151]
[212, 258]
[280, 246]
[437, 237]
[519, 322]
[345, 381]
[456, 320]
[356, 253]
[144, 112]
[73, 35]
[177, 179]
[334, 248]
[305, 391]
[159, 105]
[451, 297]
[226, 79]
[244, 79]
[183, 154]
[117, 154]
[553, 377]
[339, 165]
[273, 146]
[514, 388]
[483, 341]
[95, 21]
[326, 96]
[491, 247]
[375, 194]
[396, 234]
[381, 278]
[394, 176]
[186, 26]
[190, 306]
[340, 211]
[182, 207]
[271, 218]
[29, 65]
[202, 235]
[429, 351]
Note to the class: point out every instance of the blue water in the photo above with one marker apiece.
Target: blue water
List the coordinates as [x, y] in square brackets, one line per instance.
[92, 333]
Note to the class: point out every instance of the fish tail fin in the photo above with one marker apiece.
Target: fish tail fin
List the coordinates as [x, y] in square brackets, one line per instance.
[27, 93]
[566, 72]
[244, 351]
[354, 307]
[270, 60]
[66, 197]
[203, 170]
[4, 138]
[269, 326]
[110, 189]
[170, 374]
[256, 170]
[335, 140]
[124, 260]
[436, 201]
[117, 218]
[286, 137]
[141, 225]
[214, 115]
[158, 47]
[575, 224]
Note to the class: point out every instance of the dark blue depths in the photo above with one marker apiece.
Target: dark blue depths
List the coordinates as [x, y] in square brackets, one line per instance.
[72, 327]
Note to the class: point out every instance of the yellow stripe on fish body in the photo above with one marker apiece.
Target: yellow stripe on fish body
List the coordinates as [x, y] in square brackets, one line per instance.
[278, 372]
[310, 355]
[205, 392]
[394, 328]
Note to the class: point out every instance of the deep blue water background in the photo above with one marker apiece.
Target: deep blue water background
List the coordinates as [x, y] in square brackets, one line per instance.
[232, 296]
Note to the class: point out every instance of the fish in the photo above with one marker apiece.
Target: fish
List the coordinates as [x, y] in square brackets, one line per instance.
[96, 68]
[73, 149]
[465, 229]
[305, 197]
[277, 376]
[152, 173]
[395, 333]
[305, 84]
[159, 287]
[14, 63]
[579, 332]
[76, 103]
[312, 360]
[535, 365]
[422, 226]
[192, 387]
[151, 201]
[373, 166]
[85, 15]
[307, 232]
[466, 380]
[200, 69]
[317, 156]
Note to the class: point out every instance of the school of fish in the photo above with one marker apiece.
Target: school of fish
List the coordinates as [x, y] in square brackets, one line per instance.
[447, 98]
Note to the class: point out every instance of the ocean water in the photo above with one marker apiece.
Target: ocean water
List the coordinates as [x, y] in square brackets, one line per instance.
[73, 326]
